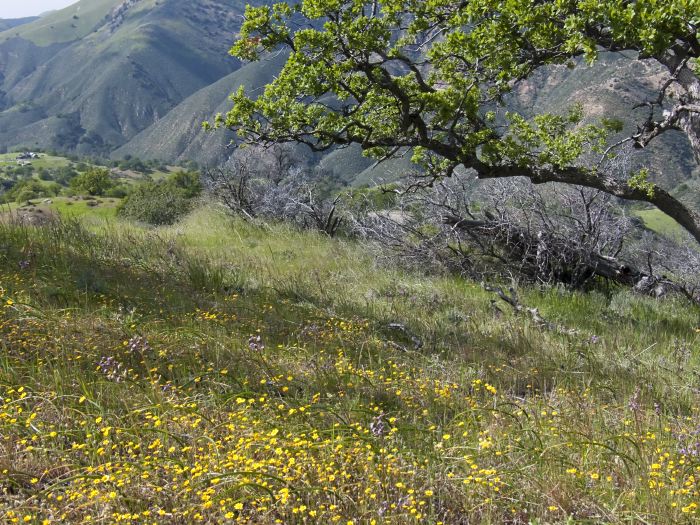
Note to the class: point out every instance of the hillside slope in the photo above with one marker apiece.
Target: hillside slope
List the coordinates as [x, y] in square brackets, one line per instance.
[179, 135]
[9, 23]
[94, 75]
[279, 376]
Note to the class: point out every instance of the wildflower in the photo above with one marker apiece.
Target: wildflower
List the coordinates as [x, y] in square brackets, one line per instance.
[378, 427]
[634, 404]
[138, 344]
[255, 343]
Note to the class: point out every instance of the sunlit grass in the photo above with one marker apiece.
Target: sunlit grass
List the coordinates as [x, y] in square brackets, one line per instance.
[220, 372]
[659, 222]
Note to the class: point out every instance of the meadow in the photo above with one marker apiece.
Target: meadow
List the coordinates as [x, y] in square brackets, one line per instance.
[217, 371]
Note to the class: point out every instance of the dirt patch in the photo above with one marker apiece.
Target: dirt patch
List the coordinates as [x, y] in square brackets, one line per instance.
[30, 215]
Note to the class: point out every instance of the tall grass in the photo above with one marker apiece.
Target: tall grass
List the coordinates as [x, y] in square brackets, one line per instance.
[222, 372]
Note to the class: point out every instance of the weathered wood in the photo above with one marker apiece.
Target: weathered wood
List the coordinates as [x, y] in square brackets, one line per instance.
[522, 245]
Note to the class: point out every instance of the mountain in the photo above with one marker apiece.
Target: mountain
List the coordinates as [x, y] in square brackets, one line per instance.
[90, 77]
[137, 77]
[9, 23]
[179, 135]
[611, 88]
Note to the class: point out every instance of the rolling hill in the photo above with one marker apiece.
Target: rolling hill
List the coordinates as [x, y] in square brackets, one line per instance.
[179, 134]
[9, 23]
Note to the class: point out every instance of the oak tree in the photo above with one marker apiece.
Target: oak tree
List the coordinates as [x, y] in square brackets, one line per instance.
[428, 77]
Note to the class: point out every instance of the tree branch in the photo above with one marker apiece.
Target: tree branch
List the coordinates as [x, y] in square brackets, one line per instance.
[655, 195]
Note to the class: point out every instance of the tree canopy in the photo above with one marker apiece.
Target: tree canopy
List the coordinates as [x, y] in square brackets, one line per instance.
[95, 181]
[429, 77]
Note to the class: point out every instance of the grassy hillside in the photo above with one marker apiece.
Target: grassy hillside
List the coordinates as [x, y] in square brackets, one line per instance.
[9, 23]
[71, 23]
[179, 134]
[659, 222]
[282, 377]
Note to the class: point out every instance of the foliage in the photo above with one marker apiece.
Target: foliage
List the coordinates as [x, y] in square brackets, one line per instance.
[641, 182]
[188, 182]
[406, 76]
[28, 189]
[95, 181]
[155, 203]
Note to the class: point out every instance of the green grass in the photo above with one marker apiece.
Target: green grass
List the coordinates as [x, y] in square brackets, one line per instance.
[134, 388]
[69, 207]
[659, 222]
[46, 161]
[97, 208]
[64, 25]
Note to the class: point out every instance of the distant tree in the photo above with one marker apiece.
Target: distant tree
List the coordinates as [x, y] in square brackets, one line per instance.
[64, 174]
[189, 182]
[134, 164]
[429, 77]
[95, 181]
[28, 189]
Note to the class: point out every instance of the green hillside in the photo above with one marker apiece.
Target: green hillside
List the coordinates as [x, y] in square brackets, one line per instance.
[9, 23]
[65, 25]
[221, 372]
[179, 134]
[125, 66]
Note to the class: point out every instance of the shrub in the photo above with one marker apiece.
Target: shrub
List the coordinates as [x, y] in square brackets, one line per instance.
[93, 182]
[117, 192]
[26, 190]
[155, 204]
[190, 182]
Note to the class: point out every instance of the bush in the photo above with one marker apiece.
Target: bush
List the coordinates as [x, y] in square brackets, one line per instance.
[117, 192]
[30, 189]
[190, 182]
[65, 174]
[93, 182]
[155, 204]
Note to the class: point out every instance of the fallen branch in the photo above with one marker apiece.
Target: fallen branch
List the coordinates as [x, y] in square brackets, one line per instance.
[511, 299]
